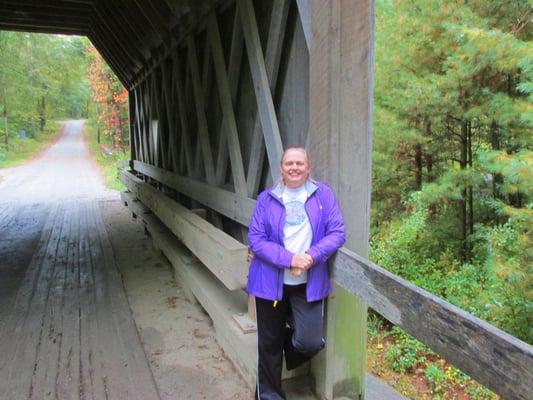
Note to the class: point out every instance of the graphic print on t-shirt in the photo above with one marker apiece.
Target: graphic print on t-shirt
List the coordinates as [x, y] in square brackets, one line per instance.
[295, 212]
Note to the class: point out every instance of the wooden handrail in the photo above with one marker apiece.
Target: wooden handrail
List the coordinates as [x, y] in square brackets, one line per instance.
[496, 359]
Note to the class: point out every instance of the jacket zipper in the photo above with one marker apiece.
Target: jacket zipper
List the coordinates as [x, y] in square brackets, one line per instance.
[310, 271]
[280, 283]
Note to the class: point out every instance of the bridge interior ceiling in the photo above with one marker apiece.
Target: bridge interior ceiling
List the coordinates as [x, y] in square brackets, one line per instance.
[131, 35]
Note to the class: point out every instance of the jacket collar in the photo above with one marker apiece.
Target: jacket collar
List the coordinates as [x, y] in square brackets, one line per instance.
[310, 188]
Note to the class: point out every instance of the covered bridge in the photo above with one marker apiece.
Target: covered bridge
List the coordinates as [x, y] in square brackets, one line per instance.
[217, 88]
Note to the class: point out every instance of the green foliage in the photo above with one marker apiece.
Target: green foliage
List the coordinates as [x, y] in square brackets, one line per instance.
[452, 156]
[107, 158]
[437, 377]
[406, 353]
[509, 302]
[21, 150]
[42, 78]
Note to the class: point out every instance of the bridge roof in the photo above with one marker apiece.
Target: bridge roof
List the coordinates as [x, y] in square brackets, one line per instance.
[132, 35]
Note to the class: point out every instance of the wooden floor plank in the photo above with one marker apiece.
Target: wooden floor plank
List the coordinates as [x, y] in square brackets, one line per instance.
[92, 378]
[70, 333]
[51, 335]
[67, 382]
[21, 335]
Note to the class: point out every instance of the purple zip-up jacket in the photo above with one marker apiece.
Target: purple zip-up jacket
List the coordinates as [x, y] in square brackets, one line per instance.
[265, 237]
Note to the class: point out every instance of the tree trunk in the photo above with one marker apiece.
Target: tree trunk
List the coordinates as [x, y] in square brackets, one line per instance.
[470, 189]
[497, 179]
[418, 166]
[463, 161]
[429, 167]
[42, 114]
[6, 131]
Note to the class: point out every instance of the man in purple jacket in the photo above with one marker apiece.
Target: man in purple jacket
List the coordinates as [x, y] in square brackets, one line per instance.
[296, 227]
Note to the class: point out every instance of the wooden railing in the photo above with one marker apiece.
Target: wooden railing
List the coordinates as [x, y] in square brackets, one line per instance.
[496, 359]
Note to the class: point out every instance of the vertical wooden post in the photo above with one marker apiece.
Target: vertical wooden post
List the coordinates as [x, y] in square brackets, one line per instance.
[132, 119]
[340, 149]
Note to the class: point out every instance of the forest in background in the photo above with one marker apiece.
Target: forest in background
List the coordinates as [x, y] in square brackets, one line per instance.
[42, 80]
[47, 78]
[452, 196]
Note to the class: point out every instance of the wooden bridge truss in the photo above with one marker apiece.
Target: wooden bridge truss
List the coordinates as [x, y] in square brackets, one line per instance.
[217, 89]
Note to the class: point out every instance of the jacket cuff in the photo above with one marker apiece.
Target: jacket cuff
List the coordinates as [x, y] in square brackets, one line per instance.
[287, 259]
[314, 254]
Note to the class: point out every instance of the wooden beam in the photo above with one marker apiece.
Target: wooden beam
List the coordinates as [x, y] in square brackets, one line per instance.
[496, 359]
[191, 22]
[276, 35]
[35, 15]
[228, 118]
[339, 144]
[233, 206]
[139, 124]
[184, 121]
[50, 6]
[234, 68]
[131, 37]
[120, 40]
[144, 40]
[144, 127]
[153, 19]
[132, 118]
[265, 105]
[169, 97]
[222, 254]
[44, 29]
[200, 110]
[304, 11]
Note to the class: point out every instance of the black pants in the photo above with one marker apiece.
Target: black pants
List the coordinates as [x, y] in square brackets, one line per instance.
[300, 341]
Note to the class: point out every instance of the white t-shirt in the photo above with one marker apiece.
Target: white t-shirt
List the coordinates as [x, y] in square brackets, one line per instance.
[297, 232]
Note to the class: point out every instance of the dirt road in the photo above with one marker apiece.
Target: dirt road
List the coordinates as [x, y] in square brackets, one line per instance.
[66, 327]
[64, 171]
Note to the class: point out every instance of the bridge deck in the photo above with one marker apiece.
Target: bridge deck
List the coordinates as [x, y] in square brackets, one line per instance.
[69, 333]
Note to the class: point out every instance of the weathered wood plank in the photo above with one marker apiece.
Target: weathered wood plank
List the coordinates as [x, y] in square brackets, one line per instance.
[222, 254]
[265, 105]
[498, 360]
[52, 336]
[200, 111]
[67, 381]
[276, 34]
[92, 376]
[69, 335]
[304, 10]
[234, 68]
[228, 120]
[160, 111]
[21, 334]
[184, 122]
[340, 135]
[238, 208]
[169, 95]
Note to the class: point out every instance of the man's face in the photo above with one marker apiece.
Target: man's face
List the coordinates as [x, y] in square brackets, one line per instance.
[294, 168]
